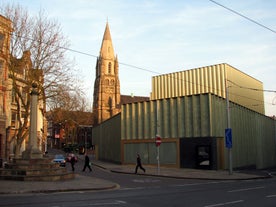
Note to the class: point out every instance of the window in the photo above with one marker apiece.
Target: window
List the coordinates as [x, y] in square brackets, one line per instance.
[13, 118]
[13, 95]
[25, 92]
[203, 153]
[1, 103]
[109, 67]
[106, 82]
[1, 68]
[112, 82]
[24, 96]
[2, 37]
[23, 115]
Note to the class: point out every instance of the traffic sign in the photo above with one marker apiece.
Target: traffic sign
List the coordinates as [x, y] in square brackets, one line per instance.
[158, 141]
[228, 138]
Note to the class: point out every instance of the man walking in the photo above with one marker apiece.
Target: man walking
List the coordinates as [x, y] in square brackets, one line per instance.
[73, 161]
[86, 163]
[139, 164]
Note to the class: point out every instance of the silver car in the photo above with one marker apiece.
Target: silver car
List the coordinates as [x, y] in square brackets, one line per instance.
[60, 159]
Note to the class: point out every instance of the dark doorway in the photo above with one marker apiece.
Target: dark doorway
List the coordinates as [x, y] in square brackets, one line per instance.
[198, 152]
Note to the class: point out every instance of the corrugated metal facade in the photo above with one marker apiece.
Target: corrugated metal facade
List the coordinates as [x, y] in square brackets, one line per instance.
[199, 116]
[211, 79]
[177, 117]
[107, 139]
[254, 138]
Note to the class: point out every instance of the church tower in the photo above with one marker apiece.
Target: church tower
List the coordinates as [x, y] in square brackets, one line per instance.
[107, 86]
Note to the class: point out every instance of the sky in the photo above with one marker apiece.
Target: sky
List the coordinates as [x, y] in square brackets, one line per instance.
[153, 37]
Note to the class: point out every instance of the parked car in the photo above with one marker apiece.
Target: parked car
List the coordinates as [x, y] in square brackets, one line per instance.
[60, 159]
[69, 156]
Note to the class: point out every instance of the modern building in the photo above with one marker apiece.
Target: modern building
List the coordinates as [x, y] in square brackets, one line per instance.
[192, 130]
[216, 79]
[188, 110]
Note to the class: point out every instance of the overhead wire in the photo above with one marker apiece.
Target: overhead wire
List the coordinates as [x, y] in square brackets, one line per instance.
[155, 72]
[95, 56]
[158, 73]
[245, 17]
[255, 22]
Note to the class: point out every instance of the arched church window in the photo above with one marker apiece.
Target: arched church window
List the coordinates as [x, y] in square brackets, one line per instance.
[109, 67]
[112, 82]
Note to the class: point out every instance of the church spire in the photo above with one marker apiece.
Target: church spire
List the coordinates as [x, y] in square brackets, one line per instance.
[107, 51]
[107, 35]
[107, 95]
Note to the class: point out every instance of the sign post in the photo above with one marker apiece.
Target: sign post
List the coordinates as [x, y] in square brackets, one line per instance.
[228, 132]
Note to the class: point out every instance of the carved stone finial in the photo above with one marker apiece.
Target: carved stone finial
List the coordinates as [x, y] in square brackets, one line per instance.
[34, 89]
[34, 85]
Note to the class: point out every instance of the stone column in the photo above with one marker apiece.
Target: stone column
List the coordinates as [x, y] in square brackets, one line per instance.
[32, 151]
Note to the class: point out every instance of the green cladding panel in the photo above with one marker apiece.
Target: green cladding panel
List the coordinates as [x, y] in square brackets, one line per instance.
[170, 118]
[203, 116]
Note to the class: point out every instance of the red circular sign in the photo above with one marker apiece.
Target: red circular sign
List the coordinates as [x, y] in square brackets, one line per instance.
[158, 141]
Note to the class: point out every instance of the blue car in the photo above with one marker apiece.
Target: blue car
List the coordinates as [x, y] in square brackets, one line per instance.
[60, 159]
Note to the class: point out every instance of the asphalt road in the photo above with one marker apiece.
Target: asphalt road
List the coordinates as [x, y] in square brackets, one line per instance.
[139, 190]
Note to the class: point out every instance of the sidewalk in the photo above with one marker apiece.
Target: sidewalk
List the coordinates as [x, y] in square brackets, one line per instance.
[185, 173]
[80, 183]
[85, 183]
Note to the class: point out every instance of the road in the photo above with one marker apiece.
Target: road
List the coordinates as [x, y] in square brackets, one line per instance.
[139, 190]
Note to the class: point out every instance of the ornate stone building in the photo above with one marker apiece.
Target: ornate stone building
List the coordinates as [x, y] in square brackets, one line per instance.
[16, 74]
[107, 85]
[5, 31]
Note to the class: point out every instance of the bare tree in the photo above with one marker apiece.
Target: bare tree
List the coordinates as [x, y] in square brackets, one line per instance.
[46, 44]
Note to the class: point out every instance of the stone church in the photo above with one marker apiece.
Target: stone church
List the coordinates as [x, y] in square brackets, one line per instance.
[107, 97]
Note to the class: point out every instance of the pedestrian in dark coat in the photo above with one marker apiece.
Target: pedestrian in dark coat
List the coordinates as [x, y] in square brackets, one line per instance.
[86, 163]
[139, 164]
[73, 161]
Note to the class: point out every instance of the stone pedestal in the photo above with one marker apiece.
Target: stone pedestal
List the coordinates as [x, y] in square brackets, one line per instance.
[32, 154]
[32, 166]
[41, 169]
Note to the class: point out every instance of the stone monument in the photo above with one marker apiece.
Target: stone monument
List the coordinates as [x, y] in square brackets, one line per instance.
[32, 151]
[33, 166]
